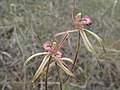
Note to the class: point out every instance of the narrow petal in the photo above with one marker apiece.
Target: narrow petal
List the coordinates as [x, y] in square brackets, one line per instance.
[41, 67]
[34, 55]
[50, 66]
[62, 41]
[67, 71]
[63, 66]
[61, 33]
[67, 59]
[87, 43]
[96, 37]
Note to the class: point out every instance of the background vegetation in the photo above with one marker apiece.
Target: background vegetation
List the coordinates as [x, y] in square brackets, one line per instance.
[20, 19]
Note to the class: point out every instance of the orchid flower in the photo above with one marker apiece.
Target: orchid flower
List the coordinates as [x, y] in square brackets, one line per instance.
[51, 52]
[79, 27]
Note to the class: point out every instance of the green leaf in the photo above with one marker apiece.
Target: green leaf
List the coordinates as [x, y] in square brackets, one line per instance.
[87, 43]
[40, 70]
[67, 59]
[96, 37]
[34, 55]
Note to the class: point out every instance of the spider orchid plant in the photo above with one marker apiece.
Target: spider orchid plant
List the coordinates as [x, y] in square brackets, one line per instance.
[79, 22]
[51, 55]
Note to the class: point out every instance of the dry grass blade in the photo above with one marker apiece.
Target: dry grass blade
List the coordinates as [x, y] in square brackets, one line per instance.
[34, 55]
[96, 37]
[87, 43]
[41, 67]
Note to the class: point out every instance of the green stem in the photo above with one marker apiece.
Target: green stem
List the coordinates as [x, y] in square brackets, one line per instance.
[47, 74]
[75, 59]
[59, 76]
